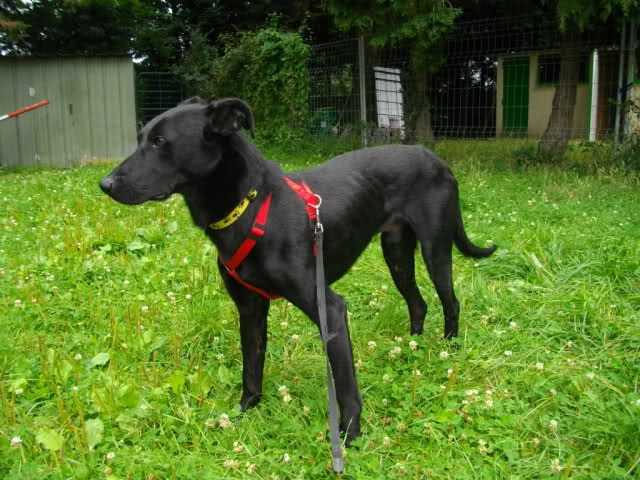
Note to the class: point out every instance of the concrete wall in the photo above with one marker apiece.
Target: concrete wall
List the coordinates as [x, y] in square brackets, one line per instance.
[91, 115]
[541, 101]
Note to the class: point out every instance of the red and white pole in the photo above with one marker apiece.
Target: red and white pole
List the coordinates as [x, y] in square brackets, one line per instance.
[24, 110]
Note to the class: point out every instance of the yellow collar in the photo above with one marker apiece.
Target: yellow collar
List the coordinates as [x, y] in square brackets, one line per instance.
[236, 212]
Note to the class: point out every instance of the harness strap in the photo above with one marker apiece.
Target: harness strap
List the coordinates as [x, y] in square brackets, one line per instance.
[305, 193]
[245, 248]
[257, 231]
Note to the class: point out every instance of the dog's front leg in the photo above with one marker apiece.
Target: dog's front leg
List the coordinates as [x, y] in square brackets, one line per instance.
[253, 310]
[341, 359]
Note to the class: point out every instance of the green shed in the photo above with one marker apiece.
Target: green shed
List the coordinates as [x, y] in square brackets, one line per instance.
[90, 117]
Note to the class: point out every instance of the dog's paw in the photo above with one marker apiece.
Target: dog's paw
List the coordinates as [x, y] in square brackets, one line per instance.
[249, 400]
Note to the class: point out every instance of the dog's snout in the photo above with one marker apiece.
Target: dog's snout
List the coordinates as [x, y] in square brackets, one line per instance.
[106, 184]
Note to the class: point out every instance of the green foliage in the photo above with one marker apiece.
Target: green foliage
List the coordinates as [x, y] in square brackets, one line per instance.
[198, 68]
[391, 22]
[267, 68]
[81, 27]
[584, 13]
[560, 294]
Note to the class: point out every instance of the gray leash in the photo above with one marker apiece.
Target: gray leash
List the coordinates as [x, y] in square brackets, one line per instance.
[334, 432]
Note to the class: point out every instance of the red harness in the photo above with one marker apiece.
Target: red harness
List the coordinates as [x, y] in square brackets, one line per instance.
[257, 231]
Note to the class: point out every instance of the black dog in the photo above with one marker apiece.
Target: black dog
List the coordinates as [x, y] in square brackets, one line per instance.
[405, 192]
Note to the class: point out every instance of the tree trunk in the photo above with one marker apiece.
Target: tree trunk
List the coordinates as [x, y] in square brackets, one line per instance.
[556, 136]
[418, 121]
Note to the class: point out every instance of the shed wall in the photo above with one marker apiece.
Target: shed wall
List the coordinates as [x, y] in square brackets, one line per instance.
[90, 116]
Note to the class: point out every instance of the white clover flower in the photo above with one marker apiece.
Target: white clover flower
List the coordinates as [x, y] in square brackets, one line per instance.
[372, 345]
[286, 398]
[74, 388]
[394, 353]
[413, 345]
[553, 425]
[536, 442]
[188, 296]
[386, 377]
[508, 353]
[386, 442]
[283, 389]
[482, 443]
[224, 422]
[444, 355]
[555, 465]
[111, 455]
[237, 447]
[449, 372]
[398, 339]
[16, 442]
[144, 308]
[251, 467]
[638, 403]
[471, 393]
[417, 373]
[284, 324]
[553, 392]
[513, 324]
[306, 410]
[286, 458]
[220, 357]
[18, 391]
[591, 375]
[385, 402]
[539, 366]
[228, 464]
[77, 357]
[295, 337]
[489, 403]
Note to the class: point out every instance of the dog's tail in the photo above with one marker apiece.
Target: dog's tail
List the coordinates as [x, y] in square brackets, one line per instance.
[463, 243]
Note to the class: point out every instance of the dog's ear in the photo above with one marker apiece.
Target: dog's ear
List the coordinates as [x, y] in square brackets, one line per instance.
[191, 100]
[228, 115]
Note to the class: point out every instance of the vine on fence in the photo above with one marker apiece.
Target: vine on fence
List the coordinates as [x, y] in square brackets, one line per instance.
[267, 68]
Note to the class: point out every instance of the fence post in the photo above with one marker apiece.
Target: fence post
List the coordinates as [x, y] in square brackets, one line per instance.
[631, 67]
[593, 119]
[623, 35]
[363, 93]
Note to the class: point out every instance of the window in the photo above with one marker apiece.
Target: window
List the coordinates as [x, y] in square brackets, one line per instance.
[549, 69]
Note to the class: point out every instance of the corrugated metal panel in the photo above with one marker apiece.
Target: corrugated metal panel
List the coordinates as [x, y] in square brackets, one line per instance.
[91, 114]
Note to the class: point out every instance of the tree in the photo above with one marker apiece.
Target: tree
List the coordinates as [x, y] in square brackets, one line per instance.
[575, 18]
[418, 24]
[70, 27]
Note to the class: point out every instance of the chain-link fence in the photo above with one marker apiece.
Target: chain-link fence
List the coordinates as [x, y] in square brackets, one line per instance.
[155, 93]
[507, 77]
[515, 77]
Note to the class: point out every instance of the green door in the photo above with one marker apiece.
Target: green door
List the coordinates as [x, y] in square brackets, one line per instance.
[515, 98]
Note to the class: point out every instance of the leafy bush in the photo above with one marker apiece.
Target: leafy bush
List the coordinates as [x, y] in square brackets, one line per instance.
[198, 68]
[267, 68]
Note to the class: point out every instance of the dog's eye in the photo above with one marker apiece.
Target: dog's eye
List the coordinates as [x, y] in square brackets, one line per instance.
[157, 142]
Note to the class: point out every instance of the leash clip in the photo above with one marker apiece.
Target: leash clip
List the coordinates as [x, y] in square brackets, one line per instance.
[318, 228]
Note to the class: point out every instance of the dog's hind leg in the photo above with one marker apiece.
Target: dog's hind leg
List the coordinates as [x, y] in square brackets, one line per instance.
[398, 247]
[253, 310]
[435, 233]
[437, 256]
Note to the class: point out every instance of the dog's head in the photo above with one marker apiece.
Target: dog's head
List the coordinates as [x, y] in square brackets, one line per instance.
[179, 146]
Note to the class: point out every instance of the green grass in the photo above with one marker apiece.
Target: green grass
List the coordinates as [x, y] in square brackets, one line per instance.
[119, 349]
